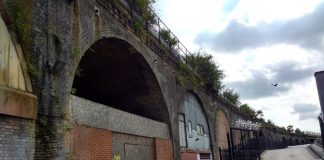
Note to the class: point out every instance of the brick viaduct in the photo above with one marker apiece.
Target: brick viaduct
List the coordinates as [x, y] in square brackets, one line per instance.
[89, 88]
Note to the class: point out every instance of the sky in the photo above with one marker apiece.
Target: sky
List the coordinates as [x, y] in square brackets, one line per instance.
[257, 43]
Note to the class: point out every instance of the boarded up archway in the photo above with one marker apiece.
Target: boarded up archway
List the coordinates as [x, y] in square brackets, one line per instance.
[193, 129]
[124, 99]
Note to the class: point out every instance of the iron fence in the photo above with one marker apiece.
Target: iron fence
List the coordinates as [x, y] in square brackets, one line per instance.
[127, 15]
[247, 147]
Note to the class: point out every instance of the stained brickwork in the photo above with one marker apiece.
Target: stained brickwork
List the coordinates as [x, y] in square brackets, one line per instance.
[16, 138]
[91, 143]
[62, 31]
[188, 156]
[222, 128]
[163, 149]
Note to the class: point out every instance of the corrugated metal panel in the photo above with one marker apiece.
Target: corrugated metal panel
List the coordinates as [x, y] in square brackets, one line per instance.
[22, 85]
[4, 53]
[11, 72]
[23, 67]
[13, 67]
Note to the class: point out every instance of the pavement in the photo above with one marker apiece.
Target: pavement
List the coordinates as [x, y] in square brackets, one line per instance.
[300, 152]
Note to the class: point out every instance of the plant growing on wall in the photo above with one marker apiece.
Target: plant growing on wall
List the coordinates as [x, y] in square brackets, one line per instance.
[166, 36]
[232, 97]
[186, 76]
[199, 70]
[144, 7]
[206, 68]
[139, 28]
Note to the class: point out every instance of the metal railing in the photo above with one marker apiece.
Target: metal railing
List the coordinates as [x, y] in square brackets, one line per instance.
[128, 16]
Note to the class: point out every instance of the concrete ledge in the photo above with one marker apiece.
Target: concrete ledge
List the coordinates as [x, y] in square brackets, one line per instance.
[17, 103]
[317, 150]
[97, 115]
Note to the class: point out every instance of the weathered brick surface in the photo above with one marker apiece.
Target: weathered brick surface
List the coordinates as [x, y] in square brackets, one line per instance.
[188, 156]
[91, 143]
[222, 128]
[163, 149]
[16, 138]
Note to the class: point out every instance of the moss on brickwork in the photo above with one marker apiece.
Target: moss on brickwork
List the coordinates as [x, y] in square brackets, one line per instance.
[22, 25]
[22, 21]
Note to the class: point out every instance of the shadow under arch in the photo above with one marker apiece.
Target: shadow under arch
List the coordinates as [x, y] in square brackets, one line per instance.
[112, 72]
[284, 142]
[296, 141]
[290, 141]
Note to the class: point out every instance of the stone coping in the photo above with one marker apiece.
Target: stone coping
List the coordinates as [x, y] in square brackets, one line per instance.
[97, 115]
[17, 103]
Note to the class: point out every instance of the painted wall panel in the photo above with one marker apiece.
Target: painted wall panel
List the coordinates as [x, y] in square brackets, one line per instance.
[194, 114]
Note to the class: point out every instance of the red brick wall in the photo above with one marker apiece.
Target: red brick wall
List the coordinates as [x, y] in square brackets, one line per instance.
[163, 149]
[91, 143]
[188, 156]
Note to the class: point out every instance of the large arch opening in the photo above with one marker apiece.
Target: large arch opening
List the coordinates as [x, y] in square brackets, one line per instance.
[117, 91]
[114, 73]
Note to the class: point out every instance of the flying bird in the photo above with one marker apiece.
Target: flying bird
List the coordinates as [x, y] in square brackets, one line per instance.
[274, 84]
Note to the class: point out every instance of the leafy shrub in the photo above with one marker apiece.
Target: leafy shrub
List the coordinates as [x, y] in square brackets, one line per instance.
[166, 36]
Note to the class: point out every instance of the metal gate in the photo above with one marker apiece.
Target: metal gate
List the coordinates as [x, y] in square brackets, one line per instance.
[243, 144]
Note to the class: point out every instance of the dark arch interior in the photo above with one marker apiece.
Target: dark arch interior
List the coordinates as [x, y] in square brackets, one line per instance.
[115, 74]
[297, 141]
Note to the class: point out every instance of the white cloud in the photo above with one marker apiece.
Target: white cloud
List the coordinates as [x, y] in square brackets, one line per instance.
[252, 11]
[187, 18]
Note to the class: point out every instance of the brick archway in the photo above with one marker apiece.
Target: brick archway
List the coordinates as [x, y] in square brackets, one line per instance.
[115, 83]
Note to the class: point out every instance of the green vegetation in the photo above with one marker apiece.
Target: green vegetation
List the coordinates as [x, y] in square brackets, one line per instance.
[231, 97]
[251, 112]
[33, 70]
[22, 21]
[206, 69]
[186, 76]
[67, 127]
[298, 131]
[139, 28]
[290, 128]
[166, 36]
[144, 7]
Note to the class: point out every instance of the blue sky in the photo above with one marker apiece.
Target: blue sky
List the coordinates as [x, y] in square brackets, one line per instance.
[256, 43]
